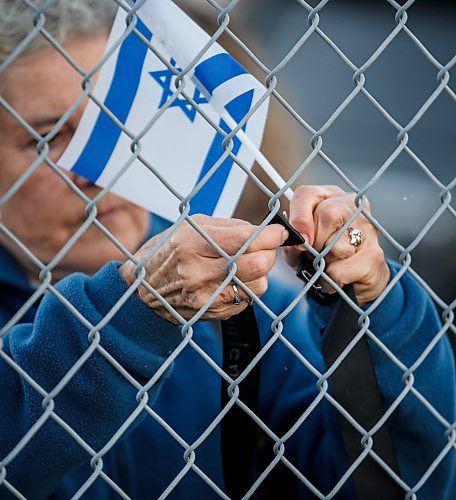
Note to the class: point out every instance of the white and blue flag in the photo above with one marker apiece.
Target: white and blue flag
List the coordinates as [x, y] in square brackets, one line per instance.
[180, 146]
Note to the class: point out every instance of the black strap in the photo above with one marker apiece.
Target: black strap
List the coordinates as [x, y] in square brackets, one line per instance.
[241, 342]
[354, 386]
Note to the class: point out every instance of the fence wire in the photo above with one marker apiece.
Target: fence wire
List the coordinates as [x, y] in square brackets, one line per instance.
[190, 449]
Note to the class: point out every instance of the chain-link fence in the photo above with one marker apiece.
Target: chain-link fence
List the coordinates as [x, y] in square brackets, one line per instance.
[99, 398]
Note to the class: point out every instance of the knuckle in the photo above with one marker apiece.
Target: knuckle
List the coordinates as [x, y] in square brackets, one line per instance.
[302, 193]
[304, 190]
[261, 286]
[357, 201]
[242, 222]
[245, 232]
[187, 244]
[237, 241]
[328, 211]
[200, 218]
[179, 237]
[324, 189]
[261, 265]
[179, 259]
[193, 300]
[240, 239]
[182, 271]
[186, 275]
[377, 256]
[336, 274]
[343, 250]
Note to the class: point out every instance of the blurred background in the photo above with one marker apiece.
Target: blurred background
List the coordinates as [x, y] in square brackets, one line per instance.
[316, 81]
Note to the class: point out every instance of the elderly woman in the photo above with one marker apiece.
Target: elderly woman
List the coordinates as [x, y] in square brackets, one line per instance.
[70, 380]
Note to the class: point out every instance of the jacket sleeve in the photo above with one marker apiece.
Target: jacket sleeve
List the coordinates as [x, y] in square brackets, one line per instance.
[407, 323]
[41, 439]
[420, 425]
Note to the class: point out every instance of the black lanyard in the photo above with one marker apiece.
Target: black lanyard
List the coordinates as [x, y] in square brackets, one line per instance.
[353, 385]
[241, 342]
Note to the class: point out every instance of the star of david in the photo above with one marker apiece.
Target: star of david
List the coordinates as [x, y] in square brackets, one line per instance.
[165, 78]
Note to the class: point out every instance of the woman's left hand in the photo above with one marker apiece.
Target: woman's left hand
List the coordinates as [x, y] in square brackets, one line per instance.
[318, 212]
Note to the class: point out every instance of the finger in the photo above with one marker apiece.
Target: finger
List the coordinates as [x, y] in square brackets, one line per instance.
[303, 204]
[329, 216]
[225, 303]
[348, 271]
[344, 248]
[202, 219]
[253, 266]
[221, 312]
[250, 289]
[191, 272]
[256, 288]
[341, 248]
[232, 238]
[367, 271]
[342, 272]
[194, 277]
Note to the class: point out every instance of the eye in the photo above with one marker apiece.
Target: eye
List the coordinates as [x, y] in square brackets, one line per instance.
[58, 141]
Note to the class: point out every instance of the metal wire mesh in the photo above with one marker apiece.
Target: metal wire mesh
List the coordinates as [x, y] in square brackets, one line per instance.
[51, 410]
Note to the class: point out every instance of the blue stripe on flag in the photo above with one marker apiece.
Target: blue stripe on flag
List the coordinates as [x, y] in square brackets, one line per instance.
[124, 85]
[217, 70]
[206, 200]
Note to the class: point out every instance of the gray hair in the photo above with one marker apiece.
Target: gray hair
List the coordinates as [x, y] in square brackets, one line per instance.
[65, 19]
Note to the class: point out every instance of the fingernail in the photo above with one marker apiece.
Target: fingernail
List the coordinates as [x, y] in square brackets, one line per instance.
[285, 235]
[302, 248]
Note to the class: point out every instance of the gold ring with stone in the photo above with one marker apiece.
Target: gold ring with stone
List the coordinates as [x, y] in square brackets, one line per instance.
[356, 236]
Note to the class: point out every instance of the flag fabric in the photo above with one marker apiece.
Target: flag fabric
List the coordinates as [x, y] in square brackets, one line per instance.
[180, 146]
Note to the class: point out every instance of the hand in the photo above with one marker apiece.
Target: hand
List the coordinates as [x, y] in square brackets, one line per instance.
[187, 270]
[318, 212]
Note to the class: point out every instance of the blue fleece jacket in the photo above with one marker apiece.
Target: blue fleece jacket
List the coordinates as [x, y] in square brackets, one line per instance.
[41, 345]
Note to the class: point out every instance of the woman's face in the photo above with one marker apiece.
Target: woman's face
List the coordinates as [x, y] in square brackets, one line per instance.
[44, 213]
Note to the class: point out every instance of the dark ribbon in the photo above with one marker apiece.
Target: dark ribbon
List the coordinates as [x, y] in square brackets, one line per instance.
[353, 385]
[241, 343]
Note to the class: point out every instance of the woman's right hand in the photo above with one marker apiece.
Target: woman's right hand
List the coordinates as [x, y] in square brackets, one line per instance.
[187, 270]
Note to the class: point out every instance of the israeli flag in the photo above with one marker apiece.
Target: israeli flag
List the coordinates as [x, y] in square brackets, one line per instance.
[177, 147]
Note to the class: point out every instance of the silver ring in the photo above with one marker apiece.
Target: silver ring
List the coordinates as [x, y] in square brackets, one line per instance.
[356, 236]
[237, 300]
